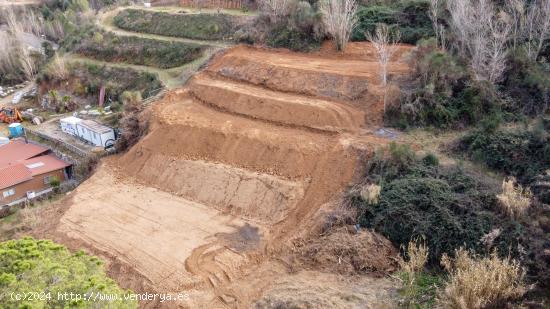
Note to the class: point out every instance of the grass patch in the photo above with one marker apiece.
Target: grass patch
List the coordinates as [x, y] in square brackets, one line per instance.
[192, 26]
[87, 79]
[135, 50]
[423, 290]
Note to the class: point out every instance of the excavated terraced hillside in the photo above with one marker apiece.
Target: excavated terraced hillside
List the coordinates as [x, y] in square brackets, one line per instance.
[233, 167]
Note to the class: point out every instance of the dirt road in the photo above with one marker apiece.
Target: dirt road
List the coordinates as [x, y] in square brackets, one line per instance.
[233, 168]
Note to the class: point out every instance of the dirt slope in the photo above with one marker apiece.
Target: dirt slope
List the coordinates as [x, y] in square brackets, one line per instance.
[233, 168]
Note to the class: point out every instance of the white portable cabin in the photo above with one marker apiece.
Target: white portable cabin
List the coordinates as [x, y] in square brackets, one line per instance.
[68, 125]
[95, 133]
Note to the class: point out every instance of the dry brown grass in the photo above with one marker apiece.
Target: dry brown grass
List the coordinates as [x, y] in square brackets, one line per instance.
[514, 200]
[58, 68]
[481, 282]
[417, 256]
[371, 193]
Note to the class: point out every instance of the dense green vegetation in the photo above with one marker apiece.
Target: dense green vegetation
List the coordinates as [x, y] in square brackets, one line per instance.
[409, 17]
[445, 205]
[48, 270]
[527, 83]
[299, 30]
[192, 26]
[135, 50]
[522, 153]
[445, 96]
[87, 79]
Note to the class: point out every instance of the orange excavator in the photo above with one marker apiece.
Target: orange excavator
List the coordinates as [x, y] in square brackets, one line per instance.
[10, 115]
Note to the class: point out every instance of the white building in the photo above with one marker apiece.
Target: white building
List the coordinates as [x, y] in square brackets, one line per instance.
[89, 130]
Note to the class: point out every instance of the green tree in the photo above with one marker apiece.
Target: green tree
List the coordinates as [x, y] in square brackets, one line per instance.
[49, 270]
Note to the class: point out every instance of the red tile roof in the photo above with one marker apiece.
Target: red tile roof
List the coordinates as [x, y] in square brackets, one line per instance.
[18, 150]
[13, 175]
[44, 164]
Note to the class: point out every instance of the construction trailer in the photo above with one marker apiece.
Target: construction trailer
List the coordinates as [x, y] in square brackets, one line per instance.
[68, 125]
[88, 130]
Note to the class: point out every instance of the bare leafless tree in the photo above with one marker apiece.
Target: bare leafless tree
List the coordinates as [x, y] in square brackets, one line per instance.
[20, 56]
[439, 29]
[8, 53]
[537, 27]
[339, 17]
[483, 33]
[385, 44]
[28, 63]
[275, 8]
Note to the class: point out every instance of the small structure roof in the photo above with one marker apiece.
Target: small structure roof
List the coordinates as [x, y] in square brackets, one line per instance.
[17, 150]
[13, 175]
[44, 164]
[71, 119]
[95, 127]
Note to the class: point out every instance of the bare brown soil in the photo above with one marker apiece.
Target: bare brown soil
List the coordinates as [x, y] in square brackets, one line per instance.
[234, 169]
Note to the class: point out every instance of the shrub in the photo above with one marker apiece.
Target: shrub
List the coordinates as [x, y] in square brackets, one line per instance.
[371, 193]
[443, 204]
[410, 17]
[283, 36]
[430, 159]
[445, 96]
[521, 153]
[514, 200]
[299, 28]
[116, 80]
[528, 84]
[134, 123]
[57, 68]
[45, 268]
[136, 50]
[481, 282]
[192, 26]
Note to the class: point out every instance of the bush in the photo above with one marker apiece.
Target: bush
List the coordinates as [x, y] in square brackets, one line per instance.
[528, 84]
[475, 282]
[442, 204]
[514, 200]
[410, 17]
[135, 50]
[283, 36]
[521, 153]
[45, 268]
[134, 123]
[192, 26]
[300, 27]
[445, 96]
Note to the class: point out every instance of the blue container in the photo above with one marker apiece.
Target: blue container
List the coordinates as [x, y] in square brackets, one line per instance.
[16, 130]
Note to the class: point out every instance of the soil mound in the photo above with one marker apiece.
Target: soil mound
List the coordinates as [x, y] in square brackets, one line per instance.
[281, 108]
[348, 252]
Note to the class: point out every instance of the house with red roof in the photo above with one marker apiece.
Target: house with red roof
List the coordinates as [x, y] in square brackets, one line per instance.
[28, 171]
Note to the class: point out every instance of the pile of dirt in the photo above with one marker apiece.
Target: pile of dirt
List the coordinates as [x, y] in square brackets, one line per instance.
[348, 252]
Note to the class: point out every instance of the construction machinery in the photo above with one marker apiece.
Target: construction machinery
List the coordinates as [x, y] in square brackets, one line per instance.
[10, 115]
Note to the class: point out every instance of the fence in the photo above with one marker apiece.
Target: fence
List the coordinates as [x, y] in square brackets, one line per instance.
[212, 4]
[54, 140]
